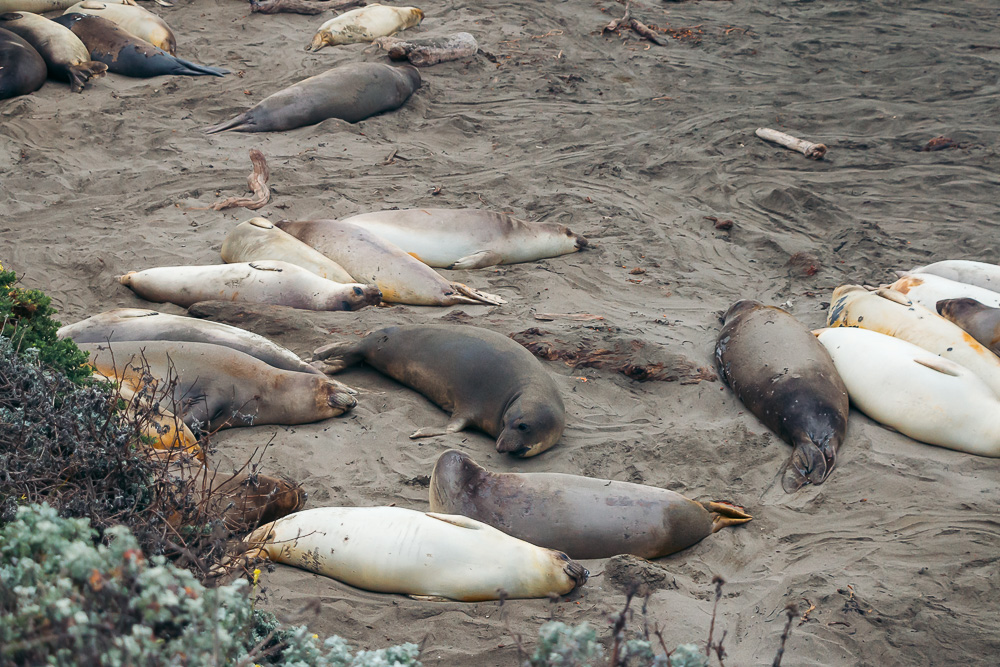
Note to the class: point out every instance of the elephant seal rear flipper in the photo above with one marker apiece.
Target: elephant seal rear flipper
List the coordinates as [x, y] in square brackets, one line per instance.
[64, 54]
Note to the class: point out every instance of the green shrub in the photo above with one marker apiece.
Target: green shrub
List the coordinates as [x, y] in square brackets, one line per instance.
[65, 600]
[26, 319]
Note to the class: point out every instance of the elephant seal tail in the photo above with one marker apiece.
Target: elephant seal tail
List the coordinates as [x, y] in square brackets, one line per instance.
[238, 124]
[194, 69]
[725, 514]
[80, 74]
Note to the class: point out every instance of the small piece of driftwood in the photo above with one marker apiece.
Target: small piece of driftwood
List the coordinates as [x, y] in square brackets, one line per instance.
[627, 22]
[301, 6]
[807, 148]
[426, 52]
[256, 182]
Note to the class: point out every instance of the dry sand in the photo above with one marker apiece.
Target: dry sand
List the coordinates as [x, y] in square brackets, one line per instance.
[633, 145]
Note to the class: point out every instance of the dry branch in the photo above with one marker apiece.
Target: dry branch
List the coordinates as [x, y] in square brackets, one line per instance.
[301, 6]
[627, 22]
[256, 183]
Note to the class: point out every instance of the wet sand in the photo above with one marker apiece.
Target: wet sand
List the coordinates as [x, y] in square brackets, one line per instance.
[633, 145]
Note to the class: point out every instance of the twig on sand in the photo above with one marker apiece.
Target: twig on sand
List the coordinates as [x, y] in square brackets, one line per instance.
[627, 22]
[301, 6]
[256, 182]
[791, 610]
[807, 148]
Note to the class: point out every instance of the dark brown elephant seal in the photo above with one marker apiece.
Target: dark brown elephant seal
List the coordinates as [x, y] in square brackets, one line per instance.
[786, 378]
[482, 377]
[583, 517]
[126, 54]
[350, 92]
[218, 387]
[22, 70]
[65, 55]
[977, 319]
[245, 500]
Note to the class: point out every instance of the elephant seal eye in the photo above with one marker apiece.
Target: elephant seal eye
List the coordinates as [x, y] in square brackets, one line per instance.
[522, 427]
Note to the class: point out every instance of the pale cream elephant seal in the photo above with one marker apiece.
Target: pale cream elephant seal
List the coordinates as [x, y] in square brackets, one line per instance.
[397, 550]
[980, 274]
[373, 260]
[914, 391]
[581, 516]
[468, 238]
[276, 283]
[258, 239]
[889, 312]
[364, 24]
[212, 387]
[927, 289]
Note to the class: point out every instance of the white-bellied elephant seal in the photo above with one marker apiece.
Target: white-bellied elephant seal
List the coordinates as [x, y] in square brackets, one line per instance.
[914, 391]
[349, 92]
[212, 386]
[125, 53]
[397, 550]
[128, 324]
[889, 312]
[278, 283]
[134, 20]
[580, 516]
[22, 69]
[775, 365]
[258, 239]
[927, 289]
[364, 24]
[483, 378]
[65, 55]
[370, 259]
[468, 238]
[980, 274]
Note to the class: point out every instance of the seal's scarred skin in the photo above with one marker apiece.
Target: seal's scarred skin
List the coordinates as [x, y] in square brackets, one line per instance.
[136, 21]
[22, 70]
[787, 379]
[483, 378]
[218, 387]
[581, 516]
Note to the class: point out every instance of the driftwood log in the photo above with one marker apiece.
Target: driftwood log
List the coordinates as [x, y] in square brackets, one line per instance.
[256, 183]
[807, 148]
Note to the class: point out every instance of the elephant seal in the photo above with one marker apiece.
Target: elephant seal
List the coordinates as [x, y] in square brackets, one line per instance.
[889, 312]
[914, 391]
[134, 20]
[468, 238]
[397, 550]
[278, 283]
[22, 70]
[128, 55]
[775, 366]
[43, 6]
[430, 51]
[370, 259]
[350, 92]
[130, 324]
[484, 378]
[258, 239]
[580, 516]
[65, 55]
[212, 387]
[978, 320]
[927, 289]
[245, 500]
[161, 429]
[980, 274]
[364, 24]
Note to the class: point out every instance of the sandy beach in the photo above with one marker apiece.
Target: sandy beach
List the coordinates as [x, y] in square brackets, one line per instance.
[634, 145]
